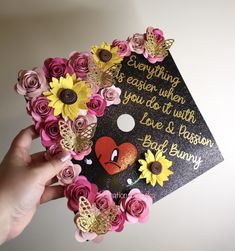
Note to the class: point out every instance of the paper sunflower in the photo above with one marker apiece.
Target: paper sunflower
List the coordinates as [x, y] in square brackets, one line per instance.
[67, 96]
[155, 169]
[106, 56]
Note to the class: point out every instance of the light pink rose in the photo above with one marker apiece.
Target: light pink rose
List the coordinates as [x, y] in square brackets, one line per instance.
[111, 95]
[136, 206]
[159, 38]
[104, 200]
[136, 43]
[38, 108]
[31, 83]
[56, 67]
[96, 105]
[123, 47]
[82, 121]
[69, 173]
[118, 223]
[79, 63]
[50, 132]
[80, 187]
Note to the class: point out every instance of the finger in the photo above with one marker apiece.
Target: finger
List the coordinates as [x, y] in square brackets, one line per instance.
[52, 181]
[24, 139]
[52, 193]
[49, 169]
[38, 157]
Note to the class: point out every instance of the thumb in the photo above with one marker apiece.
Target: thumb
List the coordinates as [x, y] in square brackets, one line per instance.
[51, 168]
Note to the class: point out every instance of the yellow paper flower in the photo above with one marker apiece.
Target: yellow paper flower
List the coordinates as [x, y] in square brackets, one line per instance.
[106, 56]
[155, 169]
[67, 96]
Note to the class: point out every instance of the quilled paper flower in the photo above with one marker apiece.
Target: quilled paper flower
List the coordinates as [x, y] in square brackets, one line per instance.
[136, 206]
[67, 97]
[123, 47]
[31, 83]
[56, 68]
[106, 56]
[111, 95]
[155, 169]
[136, 43]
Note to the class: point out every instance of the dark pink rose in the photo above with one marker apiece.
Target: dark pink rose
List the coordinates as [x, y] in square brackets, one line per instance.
[50, 132]
[104, 200]
[69, 173]
[80, 187]
[118, 223]
[136, 206]
[111, 95]
[56, 67]
[38, 108]
[96, 105]
[123, 47]
[159, 39]
[79, 63]
[136, 43]
[31, 83]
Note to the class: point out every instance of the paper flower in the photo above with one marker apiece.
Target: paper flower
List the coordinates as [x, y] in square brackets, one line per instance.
[69, 173]
[123, 47]
[155, 169]
[136, 206]
[111, 95]
[118, 222]
[66, 97]
[50, 132]
[79, 63]
[31, 83]
[96, 105]
[38, 108]
[106, 56]
[80, 187]
[136, 43]
[56, 68]
[104, 200]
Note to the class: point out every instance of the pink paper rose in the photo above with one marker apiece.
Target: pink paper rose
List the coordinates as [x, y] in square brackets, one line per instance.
[31, 83]
[57, 67]
[159, 38]
[136, 206]
[81, 122]
[136, 43]
[111, 95]
[79, 63]
[38, 108]
[69, 173]
[123, 47]
[96, 105]
[81, 155]
[118, 223]
[80, 187]
[50, 132]
[104, 200]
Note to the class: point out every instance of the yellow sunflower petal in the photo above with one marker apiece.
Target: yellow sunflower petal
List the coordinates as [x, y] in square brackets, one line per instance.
[149, 156]
[158, 155]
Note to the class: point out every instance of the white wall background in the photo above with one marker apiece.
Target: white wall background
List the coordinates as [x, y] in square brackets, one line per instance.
[197, 217]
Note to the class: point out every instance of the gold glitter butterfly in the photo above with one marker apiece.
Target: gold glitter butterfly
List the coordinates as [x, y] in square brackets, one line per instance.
[76, 141]
[90, 219]
[101, 77]
[155, 48]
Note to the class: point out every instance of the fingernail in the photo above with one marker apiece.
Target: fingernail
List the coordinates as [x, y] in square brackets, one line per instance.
[65, 158]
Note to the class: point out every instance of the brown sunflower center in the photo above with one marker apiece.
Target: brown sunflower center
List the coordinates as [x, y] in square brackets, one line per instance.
[104, 55]
[68, 96]
[155, 167]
